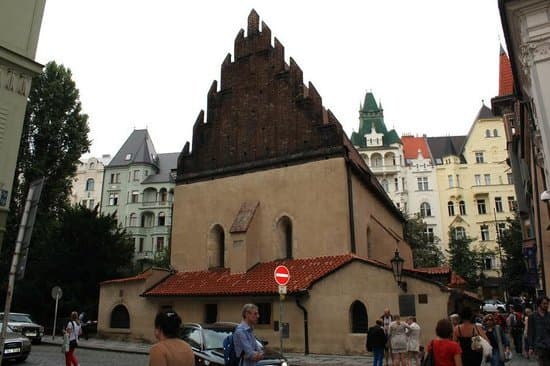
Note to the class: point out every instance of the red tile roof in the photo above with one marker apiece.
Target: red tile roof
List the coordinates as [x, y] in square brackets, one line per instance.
[506, 78]
[433, 270]
[456, 280]
[411, 145]
[304, 273]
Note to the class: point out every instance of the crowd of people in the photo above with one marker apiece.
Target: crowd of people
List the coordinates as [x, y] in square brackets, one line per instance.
[469, 338]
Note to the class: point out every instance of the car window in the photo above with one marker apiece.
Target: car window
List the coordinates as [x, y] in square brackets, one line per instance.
[19, 318]
[192, 336]
[213, 338]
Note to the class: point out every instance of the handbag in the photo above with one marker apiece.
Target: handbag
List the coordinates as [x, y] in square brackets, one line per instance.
[429, 358]
[65, 344]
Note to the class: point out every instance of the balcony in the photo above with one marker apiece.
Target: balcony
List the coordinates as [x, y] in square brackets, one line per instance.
[152, 230]
[148, 254]
[155, 204]
[385, 169]
[455, 192]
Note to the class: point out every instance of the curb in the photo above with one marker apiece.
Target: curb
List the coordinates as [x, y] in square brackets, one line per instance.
[99, 347]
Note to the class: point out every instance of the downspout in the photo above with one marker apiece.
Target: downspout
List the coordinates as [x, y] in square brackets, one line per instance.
[537, 206]
[306, 332]
[350, 204]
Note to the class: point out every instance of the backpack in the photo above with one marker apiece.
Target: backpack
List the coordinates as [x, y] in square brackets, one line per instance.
[229, 356]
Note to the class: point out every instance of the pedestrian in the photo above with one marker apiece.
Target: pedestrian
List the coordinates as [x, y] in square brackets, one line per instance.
[455, 319]
[527, 313]
[463, 334]
[515, 325]
[83, 317]
[73, 330]
[398, 341]
[538, 332]
[497, 339]
[246, 346]
[386, 318]
[413, 341]
[446, 352]
[376, 342]
[170, 350]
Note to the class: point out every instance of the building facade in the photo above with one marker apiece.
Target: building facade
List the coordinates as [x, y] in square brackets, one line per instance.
[138, 187]
[476, 189]
[273, 179]
[382, 150]
[523, 101]
[88, 181]
[20, 23]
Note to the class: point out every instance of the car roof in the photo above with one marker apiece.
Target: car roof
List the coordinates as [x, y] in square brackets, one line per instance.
[217, 325]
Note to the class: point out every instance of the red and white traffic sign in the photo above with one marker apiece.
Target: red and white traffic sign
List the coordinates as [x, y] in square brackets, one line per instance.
[282, 275]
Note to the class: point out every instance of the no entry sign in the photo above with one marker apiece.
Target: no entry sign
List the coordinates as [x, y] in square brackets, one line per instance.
[282, 275]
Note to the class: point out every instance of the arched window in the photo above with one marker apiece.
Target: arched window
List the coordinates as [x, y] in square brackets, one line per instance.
[487, 133]
[163, 195]
[133, 219]
[358, 317]
[90, 184]
[147, 219]
[451, 208]
[284, 238]
[92, 165]
[495, 133]
[120, 318]
[425, 209]
[376, 159]
[369, 242]
[161, 219]
[389, 159]
[462, 207]
[216, 247]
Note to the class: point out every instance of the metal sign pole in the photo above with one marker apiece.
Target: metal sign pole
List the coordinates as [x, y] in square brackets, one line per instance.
[281, 322]
[55, 317]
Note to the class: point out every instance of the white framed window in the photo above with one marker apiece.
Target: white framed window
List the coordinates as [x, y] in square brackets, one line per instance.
[479, 157]
[460, 233]
[429, 234]
[425, 209]
[115, 178]
[396, 184]
[481, 208]
[136, 175]
[385, 185]
[501, 227]
[498, 204]
[450, 178]
[510, 178]
[462, 208]
[133, 219]
[451, 208]
[484, 232]
[487, 178]
[134, 198]
[477, 180]
[512, 204]
[128, 157]
[422, 183]
[90, 184]
[113, 199]
[160, 243]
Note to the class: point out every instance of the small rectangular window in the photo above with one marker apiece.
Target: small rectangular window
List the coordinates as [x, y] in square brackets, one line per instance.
[264, 308]
[481, 208]
[407, 305]
[210, 313]
[477, 180]
[422, 298]
[498, 204]
[479, 157]
[487, 178]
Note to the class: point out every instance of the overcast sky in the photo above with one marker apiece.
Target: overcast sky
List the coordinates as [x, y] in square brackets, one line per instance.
[149, 64]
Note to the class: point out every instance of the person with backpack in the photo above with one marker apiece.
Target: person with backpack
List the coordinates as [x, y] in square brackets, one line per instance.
[538, 332]
[515, 325]
[73, 330]
[247, 349]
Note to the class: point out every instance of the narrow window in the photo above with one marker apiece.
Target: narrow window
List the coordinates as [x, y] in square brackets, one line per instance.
[498, 204]
[284, 234]
[487, 178]
[462, 207]
[484, 232]
[425, 210]
[90, 184]
[161, 219]
[481, 208]
[479, 158]
[451, 208]
[216, 247]
[359, 317]
[210, 313]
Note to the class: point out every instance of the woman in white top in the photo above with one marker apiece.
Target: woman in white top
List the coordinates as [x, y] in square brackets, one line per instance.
[73, 330]
[413, 339]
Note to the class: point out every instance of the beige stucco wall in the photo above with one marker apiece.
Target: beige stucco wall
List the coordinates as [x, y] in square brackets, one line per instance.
[313, 195]
[328, 306]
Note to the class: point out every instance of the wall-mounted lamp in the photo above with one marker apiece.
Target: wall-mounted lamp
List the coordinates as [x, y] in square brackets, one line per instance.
[397, 268]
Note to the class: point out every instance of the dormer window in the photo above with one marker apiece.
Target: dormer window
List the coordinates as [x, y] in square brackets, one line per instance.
[128, 157]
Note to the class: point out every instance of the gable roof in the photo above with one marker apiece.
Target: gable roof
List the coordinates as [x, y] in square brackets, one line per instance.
[138, 148]
[442, 146]
[411, 145]
[484, 112]
[256, 281]
[244, 217]
[166, 164]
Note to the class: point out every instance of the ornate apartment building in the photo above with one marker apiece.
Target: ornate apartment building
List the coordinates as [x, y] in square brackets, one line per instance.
[138, 186]
[88, 181]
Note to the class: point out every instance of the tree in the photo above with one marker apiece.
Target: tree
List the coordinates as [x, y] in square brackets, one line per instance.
[83, 249]
[514, 270]
[425, 250]
[465, 260]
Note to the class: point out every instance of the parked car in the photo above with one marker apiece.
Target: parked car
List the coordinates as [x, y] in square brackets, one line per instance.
[206, 340]
[493, 306]
[16, 347]
[22, 323]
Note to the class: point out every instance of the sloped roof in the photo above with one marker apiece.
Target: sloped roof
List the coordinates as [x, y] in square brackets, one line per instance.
[433, 270]
[166, 163]
[484, 112]
[506, 77]
[258, 280]
[442, 146]
[244, 217]
[411, 145]
[138, 148]
[139, 277]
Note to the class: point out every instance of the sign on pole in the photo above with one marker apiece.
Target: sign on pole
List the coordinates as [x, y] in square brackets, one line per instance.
[57, 294]
[282, 275]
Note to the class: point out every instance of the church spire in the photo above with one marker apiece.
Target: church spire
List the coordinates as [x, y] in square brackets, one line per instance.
[506, 78]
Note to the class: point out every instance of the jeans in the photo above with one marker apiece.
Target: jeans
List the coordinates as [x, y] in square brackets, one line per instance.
[378, 353]
[495, 358]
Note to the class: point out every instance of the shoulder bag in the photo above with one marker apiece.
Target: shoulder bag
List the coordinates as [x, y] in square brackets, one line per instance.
[429, 358]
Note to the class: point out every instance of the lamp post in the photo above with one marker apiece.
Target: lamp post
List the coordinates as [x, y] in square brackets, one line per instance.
[397, 268]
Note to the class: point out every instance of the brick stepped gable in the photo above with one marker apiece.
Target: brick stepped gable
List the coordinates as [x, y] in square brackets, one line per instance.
[262, 117]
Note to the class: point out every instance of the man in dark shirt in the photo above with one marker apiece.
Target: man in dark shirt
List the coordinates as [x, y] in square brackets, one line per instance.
[376, 342]
[538, 332]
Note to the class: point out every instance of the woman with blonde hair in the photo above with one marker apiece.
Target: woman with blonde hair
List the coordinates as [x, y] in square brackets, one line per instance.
[397, 334]
[73, 330]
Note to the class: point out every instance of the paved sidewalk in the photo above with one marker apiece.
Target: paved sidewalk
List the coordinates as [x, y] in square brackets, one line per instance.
[295, 359]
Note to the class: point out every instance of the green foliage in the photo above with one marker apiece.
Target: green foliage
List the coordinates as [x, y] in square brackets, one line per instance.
[162, 258]
[81, 250]
[426, 251]
[513, 267]
[465, 260]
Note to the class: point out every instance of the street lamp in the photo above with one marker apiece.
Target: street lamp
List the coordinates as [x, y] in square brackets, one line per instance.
[397, 268]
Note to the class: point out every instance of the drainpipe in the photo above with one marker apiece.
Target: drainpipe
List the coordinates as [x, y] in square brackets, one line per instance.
[306, 332]
[350, 204]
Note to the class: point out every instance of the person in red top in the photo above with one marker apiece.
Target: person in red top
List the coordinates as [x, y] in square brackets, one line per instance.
[446, 352]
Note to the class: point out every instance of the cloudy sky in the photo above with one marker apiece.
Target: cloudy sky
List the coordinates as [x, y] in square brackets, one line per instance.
[149, 64]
